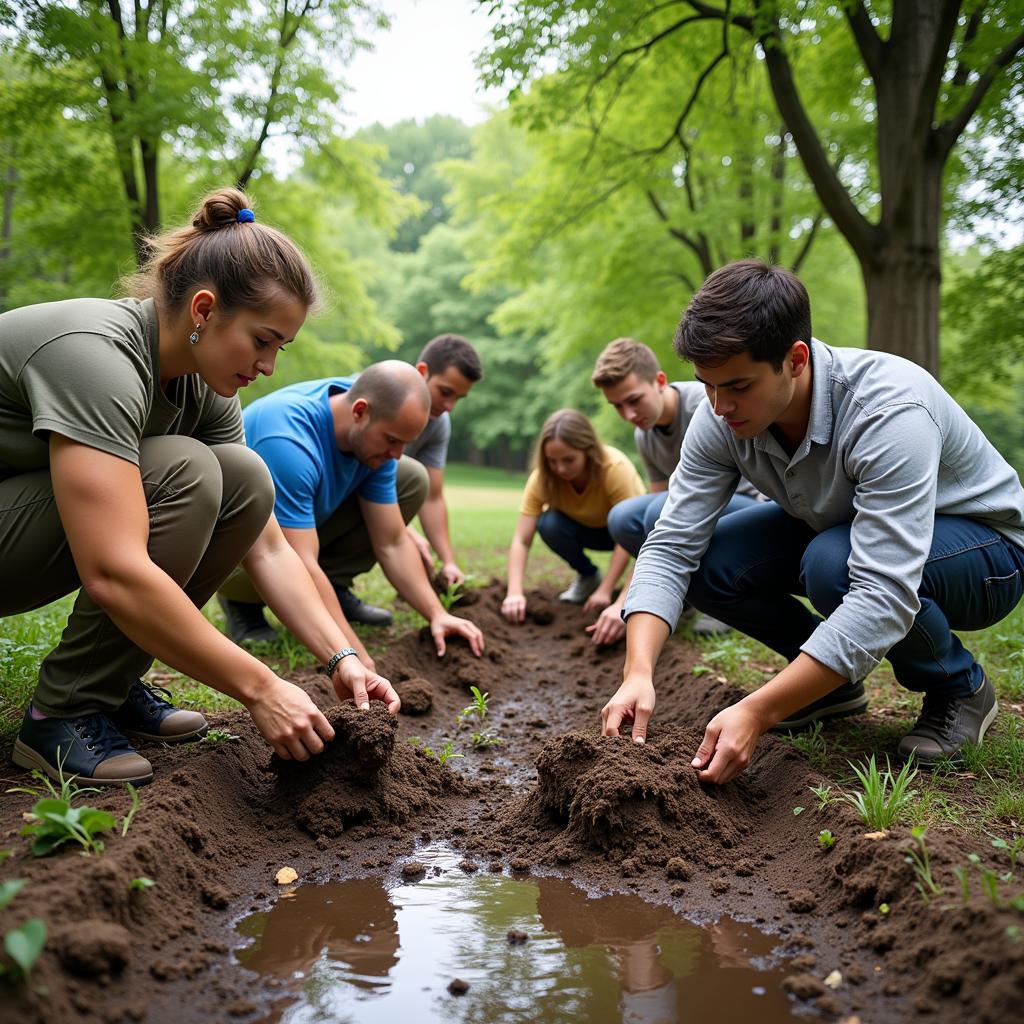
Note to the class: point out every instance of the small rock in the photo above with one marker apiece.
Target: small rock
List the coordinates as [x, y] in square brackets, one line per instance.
[458, 987]
[413, 869]
[803, 901]
[677, 868]
[516, 937]
[804, 986]
[520, 865]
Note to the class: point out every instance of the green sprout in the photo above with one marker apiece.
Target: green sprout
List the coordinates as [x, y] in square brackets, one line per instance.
[963, 876]
[478, 710]
[138, 884]
[24, 943]
[442, 756]
[127, 819]
[824, 795]
[797, 811]
[919, 858]
[450, 596]
[1014, 848]
[54, 821]
[220, 736]
[826, 840]
[884, 796]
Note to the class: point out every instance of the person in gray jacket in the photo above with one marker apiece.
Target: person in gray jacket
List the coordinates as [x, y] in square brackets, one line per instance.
[892, 513]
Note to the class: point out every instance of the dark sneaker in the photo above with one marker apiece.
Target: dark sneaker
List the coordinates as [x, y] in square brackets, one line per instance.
[245, 622]
[359, 611]
[848, 699]
[87, 747]
[947, 723]
[147, 716]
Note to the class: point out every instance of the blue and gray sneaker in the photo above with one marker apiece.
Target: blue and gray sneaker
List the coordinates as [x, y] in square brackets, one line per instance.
[87, 747]
[147, 716]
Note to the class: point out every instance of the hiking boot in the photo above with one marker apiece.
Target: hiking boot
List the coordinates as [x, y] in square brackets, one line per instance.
[245, 622]
[947, 723]
[848, 699]
[359, 611]
[147, 716]
[87, 747]
[582, 587]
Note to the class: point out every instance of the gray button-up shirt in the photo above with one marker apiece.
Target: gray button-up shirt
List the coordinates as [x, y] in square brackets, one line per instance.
[886, 450]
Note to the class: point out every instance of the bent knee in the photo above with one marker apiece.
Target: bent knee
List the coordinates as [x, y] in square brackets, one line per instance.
[412, 483]
[247, 480]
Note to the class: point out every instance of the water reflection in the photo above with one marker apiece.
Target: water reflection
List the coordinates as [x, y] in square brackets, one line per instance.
[357, 951]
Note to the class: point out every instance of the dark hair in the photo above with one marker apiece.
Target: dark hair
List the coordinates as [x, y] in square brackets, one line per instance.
[247, 264]
[573, 429]
[746, 306]
[386, 386]
[452, 350]
[622, 357]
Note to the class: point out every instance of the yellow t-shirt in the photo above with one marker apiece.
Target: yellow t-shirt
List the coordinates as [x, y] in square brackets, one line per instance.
[619, 481]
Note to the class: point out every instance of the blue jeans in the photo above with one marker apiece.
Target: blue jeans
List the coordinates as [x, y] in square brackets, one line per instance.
[760, 557]
[630, 521]
[567, 538]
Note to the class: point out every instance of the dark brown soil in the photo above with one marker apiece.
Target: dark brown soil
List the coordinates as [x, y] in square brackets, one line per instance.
[555, 797]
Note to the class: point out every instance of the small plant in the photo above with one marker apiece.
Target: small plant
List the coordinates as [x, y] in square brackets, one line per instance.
[990, 887]
[138, 884]
[918, 857]
[811, 743]
[1013, 849]
[450, 596]
[884, 796]
[220, 736]
[824, 795]
[826, 840]
[56, 821]
[963, 876]
[442, 756]
[24, 943]
[127, 819]
[478, 710]
[797, 811]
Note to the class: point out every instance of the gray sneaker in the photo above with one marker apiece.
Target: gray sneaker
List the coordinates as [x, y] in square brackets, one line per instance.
[582, 587]
[947, 723]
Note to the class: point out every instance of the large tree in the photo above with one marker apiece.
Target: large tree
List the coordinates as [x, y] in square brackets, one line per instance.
[921, 75]
[217, 79]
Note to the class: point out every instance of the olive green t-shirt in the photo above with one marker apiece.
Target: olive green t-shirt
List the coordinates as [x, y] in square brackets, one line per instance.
[90, 369]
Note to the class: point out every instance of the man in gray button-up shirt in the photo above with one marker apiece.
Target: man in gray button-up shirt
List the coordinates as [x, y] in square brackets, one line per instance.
[892, 513]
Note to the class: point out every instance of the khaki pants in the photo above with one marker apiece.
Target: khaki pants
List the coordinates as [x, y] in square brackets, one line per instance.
[345, 548]
[207, 505]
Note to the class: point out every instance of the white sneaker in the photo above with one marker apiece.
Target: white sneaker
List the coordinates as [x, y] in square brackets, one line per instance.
[582, 587]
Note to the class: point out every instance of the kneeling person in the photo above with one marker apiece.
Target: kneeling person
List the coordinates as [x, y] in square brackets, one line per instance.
[334, 450]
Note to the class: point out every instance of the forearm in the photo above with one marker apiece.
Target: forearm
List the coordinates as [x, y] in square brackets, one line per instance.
[616, 566]
[518, 553]
[404, 568]
[645, 637]
[155, 613]
[301, 596]
[434, 519]
[800, 683]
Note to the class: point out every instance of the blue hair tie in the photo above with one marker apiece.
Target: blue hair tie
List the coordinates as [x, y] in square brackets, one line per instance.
[245, 216]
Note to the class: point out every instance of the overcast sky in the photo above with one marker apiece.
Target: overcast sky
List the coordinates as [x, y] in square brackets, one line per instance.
[423, 65]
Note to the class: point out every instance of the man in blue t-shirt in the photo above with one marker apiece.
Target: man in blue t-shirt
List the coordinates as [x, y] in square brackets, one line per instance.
[344, 492]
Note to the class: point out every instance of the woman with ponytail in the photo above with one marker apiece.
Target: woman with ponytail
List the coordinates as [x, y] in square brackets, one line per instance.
[124, 472]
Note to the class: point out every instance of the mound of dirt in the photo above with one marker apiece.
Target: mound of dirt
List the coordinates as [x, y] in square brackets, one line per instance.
[363, 777]
[417, 696]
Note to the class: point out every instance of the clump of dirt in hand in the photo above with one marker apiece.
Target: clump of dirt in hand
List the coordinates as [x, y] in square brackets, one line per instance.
[417, 696]
[362, 777]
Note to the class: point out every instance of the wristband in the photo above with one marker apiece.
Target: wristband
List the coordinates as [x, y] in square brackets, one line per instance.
[332, 662]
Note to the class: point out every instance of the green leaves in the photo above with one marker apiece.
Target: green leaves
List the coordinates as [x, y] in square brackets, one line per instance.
[58, 823]
[10, 889]
[23, 945]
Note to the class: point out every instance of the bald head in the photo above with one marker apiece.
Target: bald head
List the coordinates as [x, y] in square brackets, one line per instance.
[386, 386]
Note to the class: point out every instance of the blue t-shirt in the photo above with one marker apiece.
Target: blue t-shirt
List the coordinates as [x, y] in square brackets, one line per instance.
[292, 430]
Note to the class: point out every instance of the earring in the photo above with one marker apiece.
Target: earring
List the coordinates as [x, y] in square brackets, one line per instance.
[193, 338]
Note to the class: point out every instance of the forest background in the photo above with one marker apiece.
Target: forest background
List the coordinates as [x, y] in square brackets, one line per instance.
[878, 149]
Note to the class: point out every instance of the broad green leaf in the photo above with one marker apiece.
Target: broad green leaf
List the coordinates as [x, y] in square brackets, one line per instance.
[24, 944]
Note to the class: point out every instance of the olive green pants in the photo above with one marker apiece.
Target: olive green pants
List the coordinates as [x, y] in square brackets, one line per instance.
[207, 505]
[345, 548]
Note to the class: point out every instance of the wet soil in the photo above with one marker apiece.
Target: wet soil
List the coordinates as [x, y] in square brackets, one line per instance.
[553, 799]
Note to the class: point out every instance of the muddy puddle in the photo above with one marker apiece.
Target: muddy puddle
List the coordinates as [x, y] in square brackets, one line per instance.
[536, 949]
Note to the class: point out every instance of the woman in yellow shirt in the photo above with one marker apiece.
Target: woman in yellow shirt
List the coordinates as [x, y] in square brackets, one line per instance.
[575, 482]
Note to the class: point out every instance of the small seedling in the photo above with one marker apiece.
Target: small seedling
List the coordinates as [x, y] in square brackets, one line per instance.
[990, 887]
[797, 811]
[127, 819]
[450, 595]
[1013, 932]
[884, 796]
[918, 857]
[811, 743]
[138, 884]
[56, 821]
[485, 739]
[824, 795]
[442, 756]
[24, 943]
[963, 876]
[220, 736]
[478, 709]
[1014, 848]
[826, 840]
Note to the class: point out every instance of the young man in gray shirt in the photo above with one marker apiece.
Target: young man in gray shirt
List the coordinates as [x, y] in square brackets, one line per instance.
[892, 513]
